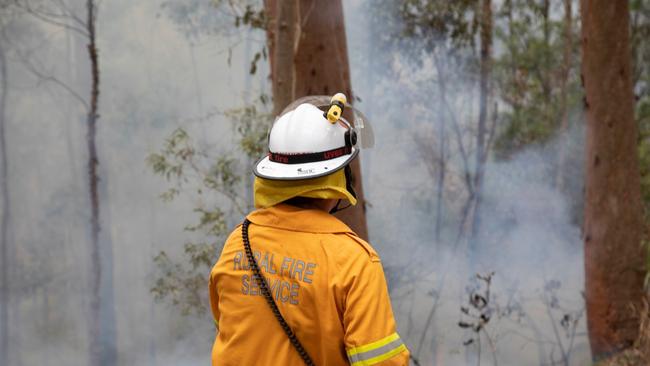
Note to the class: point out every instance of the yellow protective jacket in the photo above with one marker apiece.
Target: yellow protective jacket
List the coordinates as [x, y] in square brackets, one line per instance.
[327, 282]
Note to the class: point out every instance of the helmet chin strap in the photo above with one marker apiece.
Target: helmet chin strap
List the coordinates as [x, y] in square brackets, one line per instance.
[337, 209]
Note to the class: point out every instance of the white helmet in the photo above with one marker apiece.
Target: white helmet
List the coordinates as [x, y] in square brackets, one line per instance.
[308, 142]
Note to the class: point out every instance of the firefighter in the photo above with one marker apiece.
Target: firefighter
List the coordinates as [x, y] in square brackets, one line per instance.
[294, 285]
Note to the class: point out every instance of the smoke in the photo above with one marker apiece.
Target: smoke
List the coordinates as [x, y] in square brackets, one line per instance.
[152, 82]
[155, 78]
[529, 224]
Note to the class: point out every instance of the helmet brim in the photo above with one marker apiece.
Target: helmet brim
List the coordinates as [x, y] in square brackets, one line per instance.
[268, 169]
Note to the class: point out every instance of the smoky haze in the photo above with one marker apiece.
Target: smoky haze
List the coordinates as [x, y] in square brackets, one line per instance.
[158, 74]
[530, 232]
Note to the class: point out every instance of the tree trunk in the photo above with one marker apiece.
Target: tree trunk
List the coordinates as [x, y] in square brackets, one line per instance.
[442, 145]
[564, 102]
[545, 75]
[102, 342]
[546, 7]
[271, 12]
[614, 257]
[95, 260]
[320, 66]
[5, 211]
[285, 44]
[442, 170]
[484, 95]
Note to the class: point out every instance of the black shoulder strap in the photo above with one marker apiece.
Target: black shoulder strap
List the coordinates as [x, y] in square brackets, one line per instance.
[269, 298]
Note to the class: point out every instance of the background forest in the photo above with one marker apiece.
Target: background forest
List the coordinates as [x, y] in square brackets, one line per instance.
[128, 130]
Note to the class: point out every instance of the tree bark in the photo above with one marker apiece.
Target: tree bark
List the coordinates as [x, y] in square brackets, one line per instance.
[95, 260]
[283, 54]
[614, 257]
[102, 342]
[546, 77]
[442, 145]
[442, 170]
[5, 211]
[564, 102]
[271, 12]
[320, 66]
[545, 9]
[484, 95]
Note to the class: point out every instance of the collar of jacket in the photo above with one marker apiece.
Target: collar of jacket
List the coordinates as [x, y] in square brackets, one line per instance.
[284, 216]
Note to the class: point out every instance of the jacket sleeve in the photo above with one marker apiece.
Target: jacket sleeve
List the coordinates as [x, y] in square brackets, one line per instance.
[214, 300]
[370, 333]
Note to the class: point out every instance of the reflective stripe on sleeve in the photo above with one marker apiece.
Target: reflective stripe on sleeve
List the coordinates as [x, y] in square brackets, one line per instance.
[376, 352]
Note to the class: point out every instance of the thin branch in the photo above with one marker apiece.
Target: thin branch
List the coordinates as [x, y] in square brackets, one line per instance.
[48, 18]
[461, 146]
[233, 198]
[555, 331]
[492, 347]
[45, 78]
[574, 331]
[72, 14]
[478, 342]
[528, 338]
[235, 8]
[491, 132]
[65, 14]
[455, 123]
[464, 217]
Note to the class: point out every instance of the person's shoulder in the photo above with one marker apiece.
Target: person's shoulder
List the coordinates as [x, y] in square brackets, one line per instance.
[233, 238]
[235, 233]
[233, 241]
[352, 246]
